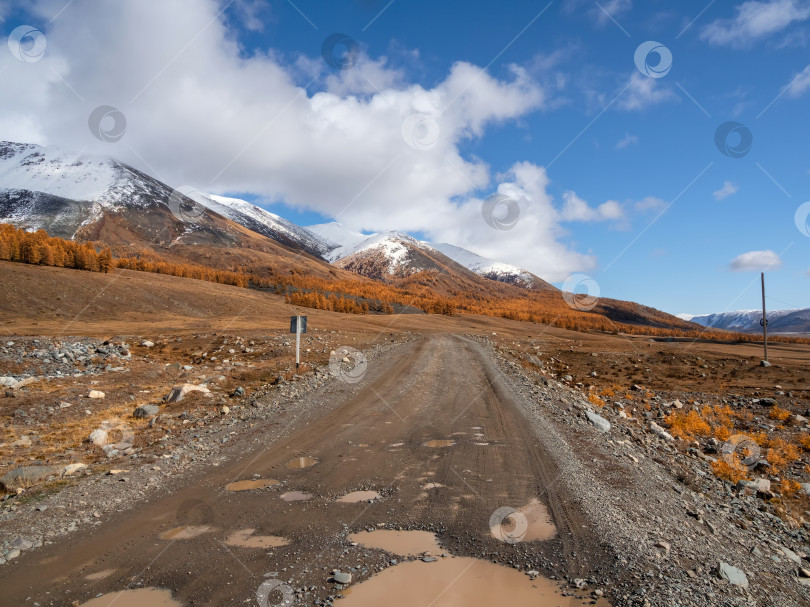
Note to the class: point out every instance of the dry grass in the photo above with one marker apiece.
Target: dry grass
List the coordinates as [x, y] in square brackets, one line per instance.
[730, 472]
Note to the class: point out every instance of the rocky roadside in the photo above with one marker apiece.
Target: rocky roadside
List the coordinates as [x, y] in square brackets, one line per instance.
[685, 537]
[87, 495]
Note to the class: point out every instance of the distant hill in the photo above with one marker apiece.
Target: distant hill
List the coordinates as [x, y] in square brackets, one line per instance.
[747, 321]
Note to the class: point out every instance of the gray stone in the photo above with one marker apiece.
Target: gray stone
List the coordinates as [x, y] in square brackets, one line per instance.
[12, 554]
[732, 575]
[790, 555]
[26, 476]
[764, 363]
[147, 344]
[179, 392]
[342, 578]
[660, 431]
[98, 437]
[21, 543]
[600, 422]
[145, 411]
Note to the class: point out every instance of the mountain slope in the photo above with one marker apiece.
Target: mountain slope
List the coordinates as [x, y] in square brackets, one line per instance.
[489, 268]
[747, 321]
[264, 222]
[91, 198]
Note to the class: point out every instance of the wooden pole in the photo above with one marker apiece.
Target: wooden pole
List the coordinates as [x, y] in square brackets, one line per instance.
[298, 342]
[764, 319]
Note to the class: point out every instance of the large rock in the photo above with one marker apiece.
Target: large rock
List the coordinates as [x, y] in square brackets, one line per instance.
[72, 469]
[26, 476]
[600, 422]
[179, 392]
[99, 437]
[96, 394]
[732, 575]
[145, 411]
[8, 382]
[660, 431]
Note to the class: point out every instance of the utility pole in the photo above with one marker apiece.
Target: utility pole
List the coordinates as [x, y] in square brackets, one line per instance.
[764, 321]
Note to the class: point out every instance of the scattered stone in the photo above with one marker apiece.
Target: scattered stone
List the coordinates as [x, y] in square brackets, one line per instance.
[26, 476]
[72, 469]
[147, 344]
[764, 363]
[342, 578]
[20, 543]
[179, 392]
[225, 410]
[96, 394]
[98, 437]
[600, 422]
[239, 392]
[145, 411]
[661, 432]
[732, 575]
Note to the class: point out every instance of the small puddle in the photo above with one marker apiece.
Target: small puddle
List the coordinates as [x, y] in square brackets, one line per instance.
[99, 575]
[259, 483]
[401, 543]
[359, 496]
[530, 523]
[301, 462]
[142, 597]
[439, 443]
[246, 539]
[186, 532]
[457, 581]
[296, 496]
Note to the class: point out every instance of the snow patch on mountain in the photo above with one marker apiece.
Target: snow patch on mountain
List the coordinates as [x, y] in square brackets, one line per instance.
[341, 241]
[488, 268]
[790, 320]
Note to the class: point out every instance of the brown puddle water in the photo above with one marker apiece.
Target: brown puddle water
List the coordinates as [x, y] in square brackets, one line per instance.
[534, 525]
[358, 496]
[186, 532]
[142, 597]
[439, 443]
[401, 543]
[259, 483]
[246, 539]
[301, 462]
[296, 496]
[455, 582]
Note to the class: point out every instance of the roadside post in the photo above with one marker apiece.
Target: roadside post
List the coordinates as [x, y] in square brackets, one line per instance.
[764, 320]
[298, 325]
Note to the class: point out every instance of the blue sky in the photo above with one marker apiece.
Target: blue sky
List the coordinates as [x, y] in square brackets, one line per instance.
[635, 192]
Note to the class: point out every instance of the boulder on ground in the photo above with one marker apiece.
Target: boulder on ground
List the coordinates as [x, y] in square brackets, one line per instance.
[26, 476]
[179, 392]
[145, 411]
[732, 575]
[96, 394]
[98, 437]
[600, 422]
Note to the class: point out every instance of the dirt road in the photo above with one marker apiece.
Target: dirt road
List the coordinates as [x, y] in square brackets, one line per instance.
[375, 434]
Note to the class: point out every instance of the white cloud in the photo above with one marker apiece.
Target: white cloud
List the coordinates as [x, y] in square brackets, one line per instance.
[202, 112]
[727, 190]
[651, 203]
[758, 261]
[576, 209]
[799, 84]
[605, 11]
[643, 92]
[755, 20]
[626, 141]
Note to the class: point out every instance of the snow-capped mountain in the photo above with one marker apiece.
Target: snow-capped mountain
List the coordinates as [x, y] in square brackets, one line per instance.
[489, 268]
[779, 321]
[395, 246]
[265, 223]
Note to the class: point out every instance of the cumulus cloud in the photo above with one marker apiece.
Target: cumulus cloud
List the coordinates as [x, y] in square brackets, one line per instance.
[799, 84]
[727, 190]
[576, 209]
[626, 141]
[756, 261]
[642, 92]
[755, 20]
[364, 146]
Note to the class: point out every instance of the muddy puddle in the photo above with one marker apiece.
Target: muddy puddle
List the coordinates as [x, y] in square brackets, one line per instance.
[439, 443]
[186, 532]
[530, 523]
[455, 581]
[401, 543]
[359, 496]
[301, 462]
[246, 539]
[259, 483]
[296, 496]
[99, 575]
[142, 597]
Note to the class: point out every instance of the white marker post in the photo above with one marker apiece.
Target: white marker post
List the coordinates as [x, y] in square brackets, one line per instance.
[298, 325]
